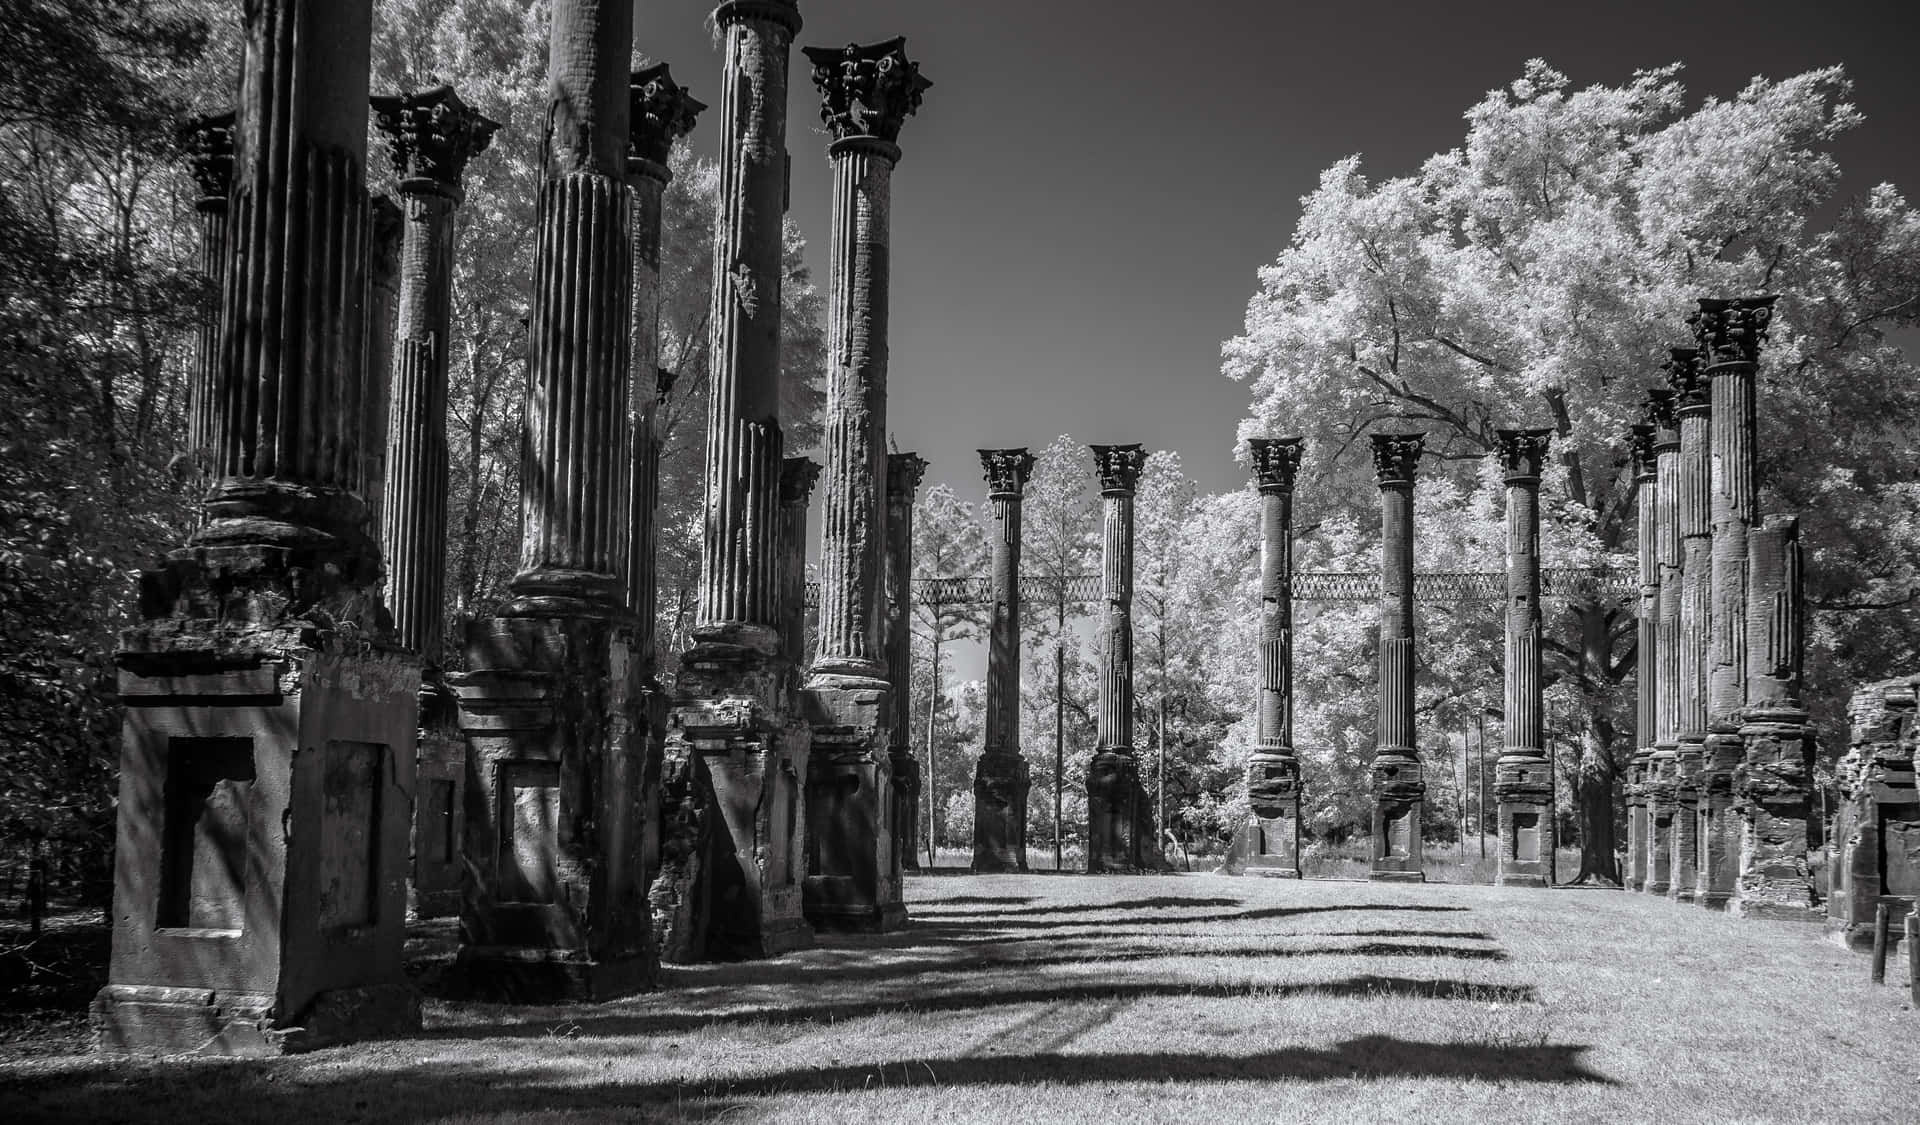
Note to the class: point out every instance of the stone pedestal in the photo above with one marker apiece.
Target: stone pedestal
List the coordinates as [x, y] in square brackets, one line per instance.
[1114, 794]
[732, 852]
[1692, 477]
[1523, 777]
[1000, 781]
[904, 471]
[1271, 842]
[1876, 828]
[1398, 779]
[266, 770]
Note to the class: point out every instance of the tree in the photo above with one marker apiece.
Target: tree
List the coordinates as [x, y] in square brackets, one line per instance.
[1535, 276]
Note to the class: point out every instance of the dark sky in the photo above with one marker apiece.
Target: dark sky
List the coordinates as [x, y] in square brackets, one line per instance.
[1090, 187]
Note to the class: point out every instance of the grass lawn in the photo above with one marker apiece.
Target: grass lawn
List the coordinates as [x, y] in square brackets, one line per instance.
[1189, 998]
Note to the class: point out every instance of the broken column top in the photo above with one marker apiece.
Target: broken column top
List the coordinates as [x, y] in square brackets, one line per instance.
[798, 475]
[904, 471]
[1731, 331]
[1522, 453]
[663, 112]
[1692, 390]
[867, 91]
[208, 142]
[1007, 471]
[1396, 457]
[1118, 467]
[430, 136]
[1276, 461]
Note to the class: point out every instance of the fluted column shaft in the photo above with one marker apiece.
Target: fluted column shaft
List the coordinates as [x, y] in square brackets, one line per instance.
[1696, 548]
[1276, 617]
[1397, 777]
[1668, 558]
[739, 589]
[903, 478]
[647, 183]
[386, 238]
[1523, 778]
[1395, 725]
[1522, 681]
[797, 477]
[1003, 629]
[291, 388]
[209, 145]
[1114, 728]
[1733, 471]
[1643, 440]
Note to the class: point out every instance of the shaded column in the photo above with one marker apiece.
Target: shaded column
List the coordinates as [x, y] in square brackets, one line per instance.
[1640, 442]
[1398, 779]
[266, 760]
[208, 143]
[551, 708]
[1660, 777]
[387, 234]
[904, 471]
[430, 136]
[1272, 845]
[798, 475]
[737, 750]
[1775, 781]
[1113, 774]
[853, 879]
[1523, 777]
[1000, 778]
[1692, 473]
[1729, 334]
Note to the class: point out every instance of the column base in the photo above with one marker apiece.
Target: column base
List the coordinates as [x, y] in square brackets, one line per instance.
[1000, 785]
[1525, 827]
[838, 904]
[526, 975]
[1113, 815]
[1379, 876]
[853, 877]
[148, 1020]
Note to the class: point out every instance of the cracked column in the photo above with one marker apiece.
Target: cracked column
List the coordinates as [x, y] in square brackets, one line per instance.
[1273, 769]
[904, 471]
[1398, 779]
[1641, 439]
[1523, 777]
[659, 112]
[1729, 334]
[208, 142]
[1113, 774]
[1000, 779]
[1775, 780]
[266, 765]
[430, 137]
[1692, 395]
[551, 707]
[1659, 780]
[736, 755]
[853, 883]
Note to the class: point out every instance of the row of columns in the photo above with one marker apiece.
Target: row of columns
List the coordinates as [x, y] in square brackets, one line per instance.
[1720, 793]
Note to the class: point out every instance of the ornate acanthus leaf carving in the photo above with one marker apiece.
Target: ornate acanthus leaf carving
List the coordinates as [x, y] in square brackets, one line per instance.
[1692, 390]
[798, 475]
[1642, 437]
[1396, 457]
[1731, 331]
[867, 91]
[208, 143]
[1276, 462]
[1118, 467]
[1522, 452]
[663, 112]
[1007, 471]
[432, 134]
[904, 471]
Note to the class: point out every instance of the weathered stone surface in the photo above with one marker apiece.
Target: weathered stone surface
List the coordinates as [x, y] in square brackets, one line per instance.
[1660, 775]
[1876, 828]
[1399, 783]
[1643, 441]
[1692, 477]
[267, 753]
[1272, 840]
[1114, 794]
[1000, 778]
[904, 471]
[386, 235]
[208, 143]
[1523, 777]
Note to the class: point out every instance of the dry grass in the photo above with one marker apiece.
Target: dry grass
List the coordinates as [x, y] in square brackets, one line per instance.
[1045, 998]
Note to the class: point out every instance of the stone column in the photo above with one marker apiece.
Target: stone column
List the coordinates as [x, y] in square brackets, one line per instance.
[266, 765]
[430, 137]
[737, 745]
[659, 112]
[853, 882]
[1692, 403]
[551, 708]
[904, 471]
[1000, 779]
[1661, 778]
[1399, 781]
[1523, 777]
[1113, 774]
[798, 475]
[387, 233]
[1729, 334]
[1273, 769]
[1775, 780]
[1640, 442]
[208, 142]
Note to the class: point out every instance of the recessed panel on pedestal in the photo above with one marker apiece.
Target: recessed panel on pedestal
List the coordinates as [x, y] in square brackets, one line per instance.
[207, 809]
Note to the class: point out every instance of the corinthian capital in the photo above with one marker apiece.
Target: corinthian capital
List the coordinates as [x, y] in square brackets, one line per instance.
[798, 475]
[866, 91]
[1731, 331]
[1641, 440]
[1692, 391]
[904, 471]
[1276, 461]
[1522, 452]
[1118, 467]
[208, 143]
[1396, 457]
[430, 136]
[1007, 471]
[663, 112]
